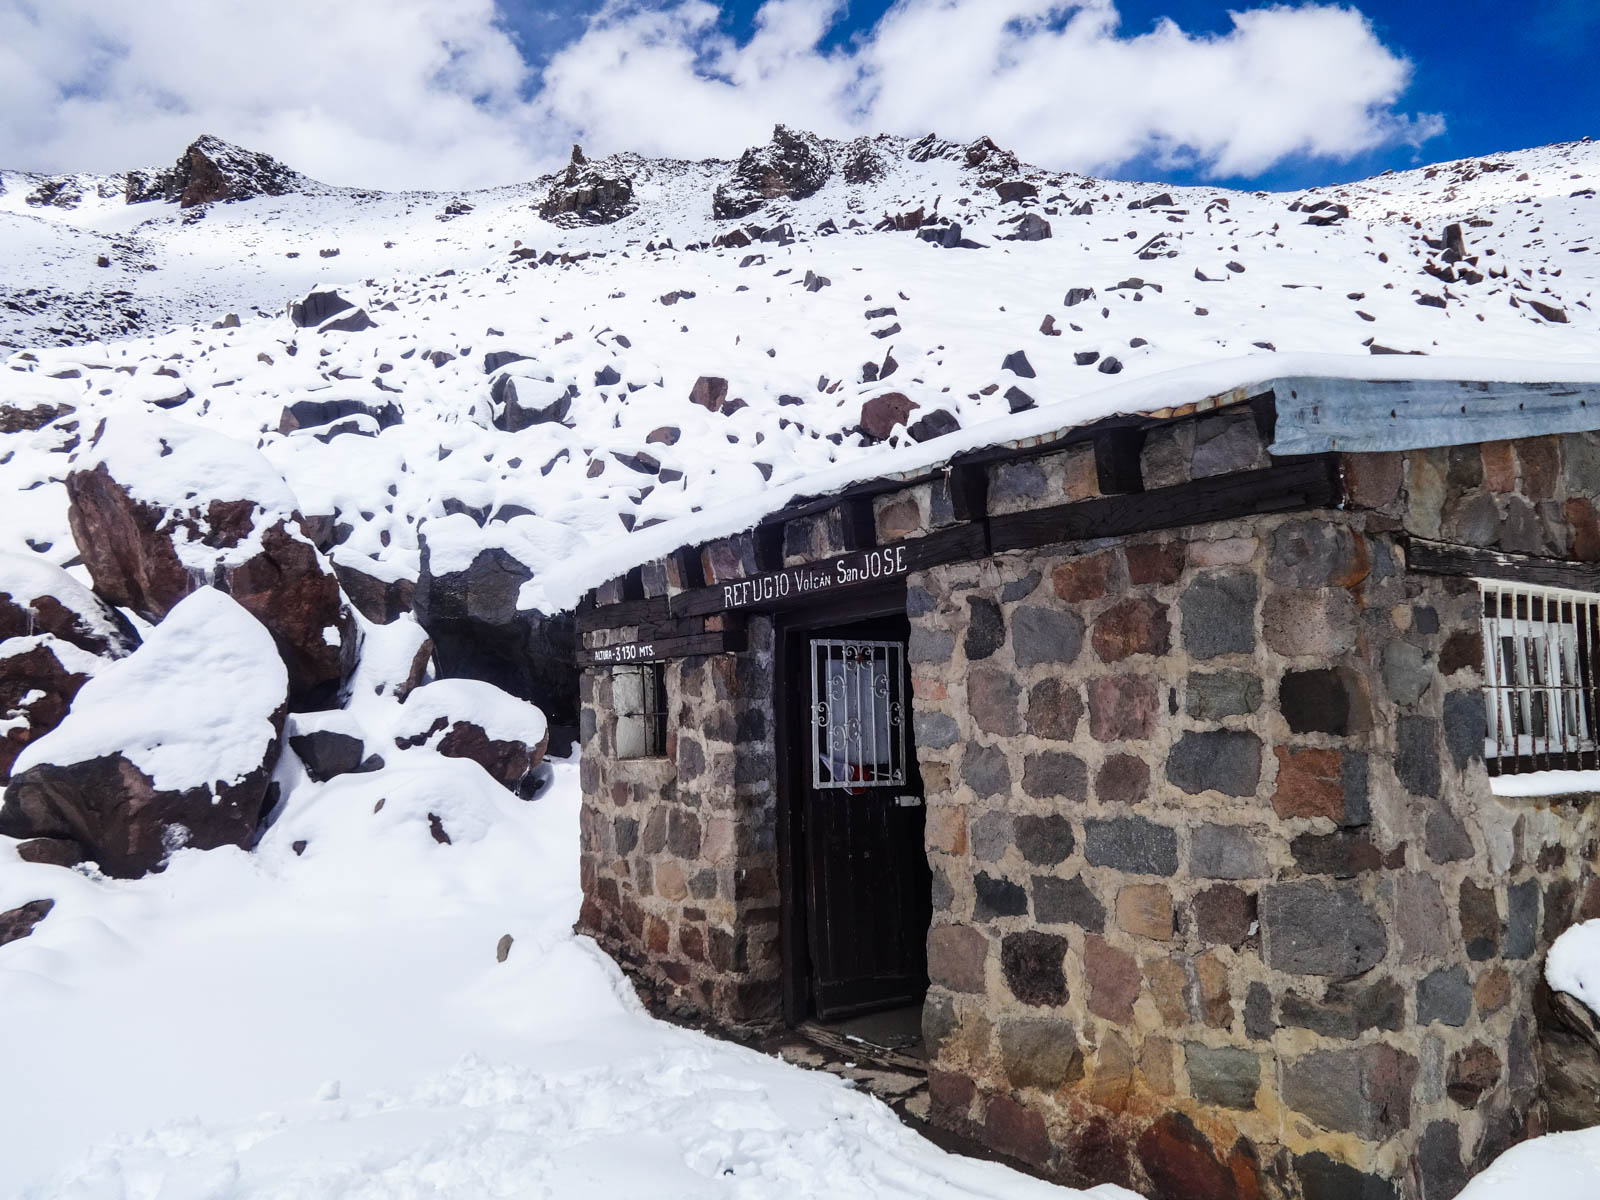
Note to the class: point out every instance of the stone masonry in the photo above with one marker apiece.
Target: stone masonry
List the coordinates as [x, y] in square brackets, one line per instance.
[677, 853]
[1224, 905]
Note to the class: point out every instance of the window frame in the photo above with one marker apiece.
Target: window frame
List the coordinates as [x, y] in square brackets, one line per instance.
[651, 716]
[1540, 687]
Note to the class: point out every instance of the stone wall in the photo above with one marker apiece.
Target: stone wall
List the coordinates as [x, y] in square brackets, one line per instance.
[677, 855]
[1224, 906]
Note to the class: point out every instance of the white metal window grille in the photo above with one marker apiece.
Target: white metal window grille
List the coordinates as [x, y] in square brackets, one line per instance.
[639, 695]
[858, 714]
[1540, 681]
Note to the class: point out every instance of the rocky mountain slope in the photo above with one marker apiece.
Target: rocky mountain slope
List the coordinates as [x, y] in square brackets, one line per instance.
[507, 380]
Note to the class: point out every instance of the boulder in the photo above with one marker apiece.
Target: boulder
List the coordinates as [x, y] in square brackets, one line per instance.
[171, 747]
[39, 676]
[379, 592]
[881, 414]
[792, 166]
[1569, 1052]
[37, 597]
[158, 508]
[983, 155]
[586, 194]
[211, 170]
[934, 424]
[1032, 228]
[330, 744]
[311, 414]
[519, 403]
[316, 308]
[19, 922]
[467, 718]
[466, 600]
[25, 417]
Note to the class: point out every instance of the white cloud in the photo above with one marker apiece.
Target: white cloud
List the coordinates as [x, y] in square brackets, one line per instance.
[435, 92]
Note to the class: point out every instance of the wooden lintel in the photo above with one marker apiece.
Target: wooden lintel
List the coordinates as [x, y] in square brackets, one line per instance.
[1286, 486]
[1447, 558]
[628, 612]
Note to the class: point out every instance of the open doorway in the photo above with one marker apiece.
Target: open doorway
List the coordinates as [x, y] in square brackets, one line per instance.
[857, 890]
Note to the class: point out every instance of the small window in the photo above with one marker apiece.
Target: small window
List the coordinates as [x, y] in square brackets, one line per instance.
[639, 694]
[1539, 678]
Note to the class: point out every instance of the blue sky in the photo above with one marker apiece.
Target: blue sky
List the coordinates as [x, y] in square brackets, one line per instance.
[1503, 74]
[469, 93]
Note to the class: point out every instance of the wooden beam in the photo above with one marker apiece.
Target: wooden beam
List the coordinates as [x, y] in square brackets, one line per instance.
[794, 587]
[1286, 486]
[1447, 558]
[629, 612]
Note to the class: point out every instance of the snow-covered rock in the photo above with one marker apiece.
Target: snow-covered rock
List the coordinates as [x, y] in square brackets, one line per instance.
[468, 599]
[211, 170]
[792, 166]
[36, 596]
[39, 676]
[466, 718]
[172, 746]
[587, 193]
[159, 507]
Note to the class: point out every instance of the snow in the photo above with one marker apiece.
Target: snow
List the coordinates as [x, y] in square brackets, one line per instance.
[190, 707]
[1573, 964]
[1557, 1166]
[1546, 783]
[503, 718]
[75, 659]
[333, 1025]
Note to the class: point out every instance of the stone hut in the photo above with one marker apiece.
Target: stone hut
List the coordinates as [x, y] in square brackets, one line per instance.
[1206, 782]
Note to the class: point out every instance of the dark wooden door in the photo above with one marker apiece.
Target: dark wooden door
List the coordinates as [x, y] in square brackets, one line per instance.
[869, 897]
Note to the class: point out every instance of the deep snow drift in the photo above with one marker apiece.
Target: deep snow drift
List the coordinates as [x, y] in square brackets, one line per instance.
[334, 1024]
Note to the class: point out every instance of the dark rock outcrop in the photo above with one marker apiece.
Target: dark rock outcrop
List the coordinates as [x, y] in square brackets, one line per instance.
[252, 548]
[1569, 1051]
[863, 163]
[37, 597]
[585, 194]
[36, 690]
[792, 166]
[479, 632]
[316, 308]
[171, 747]
[211, 170]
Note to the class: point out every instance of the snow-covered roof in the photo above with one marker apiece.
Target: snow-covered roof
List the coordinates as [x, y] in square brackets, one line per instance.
[1326, 414]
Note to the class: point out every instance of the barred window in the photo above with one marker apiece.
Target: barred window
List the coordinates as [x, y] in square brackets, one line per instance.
[639, 694]
[1540, 684]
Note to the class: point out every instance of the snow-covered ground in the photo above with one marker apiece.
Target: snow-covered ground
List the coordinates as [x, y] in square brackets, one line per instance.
[333, 1021]
[335, 1025]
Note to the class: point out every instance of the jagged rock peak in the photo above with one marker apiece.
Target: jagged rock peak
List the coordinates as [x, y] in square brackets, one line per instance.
[210, 170]
[588, 194]
[792, 166]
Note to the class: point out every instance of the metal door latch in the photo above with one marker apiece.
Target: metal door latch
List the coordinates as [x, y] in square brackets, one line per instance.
[908, 801]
